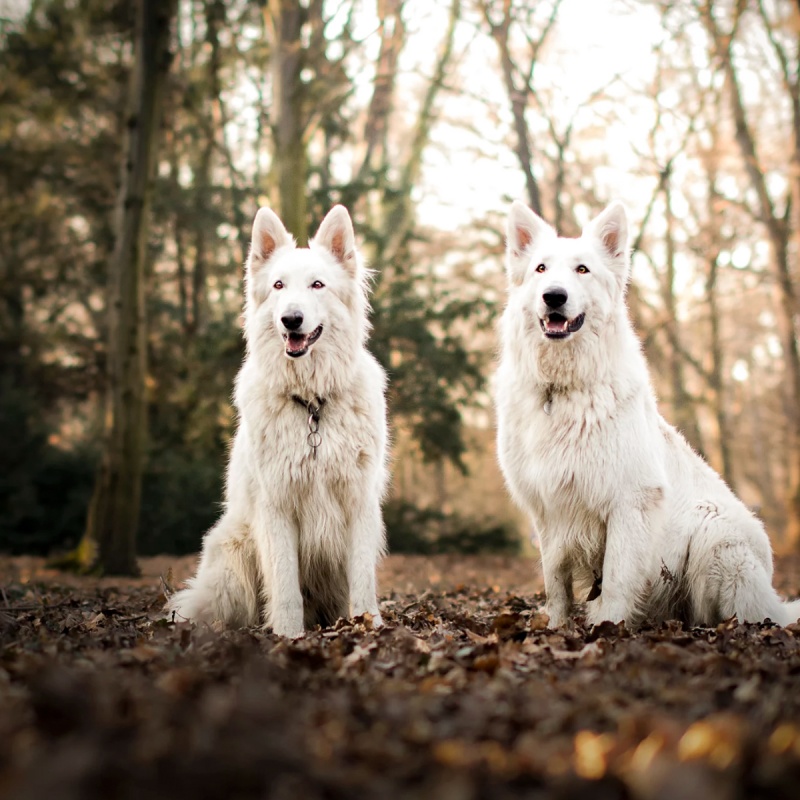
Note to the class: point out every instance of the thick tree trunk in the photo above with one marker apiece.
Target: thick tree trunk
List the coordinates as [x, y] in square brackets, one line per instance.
[215, 17]
[289, 123]
[114, 512]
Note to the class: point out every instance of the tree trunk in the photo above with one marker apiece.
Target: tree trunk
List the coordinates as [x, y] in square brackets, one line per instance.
[519, 82]
[398, 210]
[716, 375]
[683, 406]
[518, 97]
[290, 161]
[392, 33]
[114, 511]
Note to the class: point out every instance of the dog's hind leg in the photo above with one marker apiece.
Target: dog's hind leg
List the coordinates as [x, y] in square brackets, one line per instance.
[226, 585]
[730, 569]
[736, 583]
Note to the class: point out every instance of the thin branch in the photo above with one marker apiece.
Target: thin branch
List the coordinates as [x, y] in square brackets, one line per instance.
[789, 85]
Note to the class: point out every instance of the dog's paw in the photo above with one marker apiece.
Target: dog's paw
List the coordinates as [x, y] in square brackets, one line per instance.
[289, 631]
[558, 618]
[288, 625]
[371, 619]
[597, 612]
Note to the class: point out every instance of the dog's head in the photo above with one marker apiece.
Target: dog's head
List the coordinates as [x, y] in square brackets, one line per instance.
[567, 286]
[302, 299]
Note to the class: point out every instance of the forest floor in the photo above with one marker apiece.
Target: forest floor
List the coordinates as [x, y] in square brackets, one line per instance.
[464, 694]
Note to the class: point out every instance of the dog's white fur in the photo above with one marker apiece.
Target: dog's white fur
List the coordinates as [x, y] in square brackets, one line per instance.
[613, 490]
[300, 536]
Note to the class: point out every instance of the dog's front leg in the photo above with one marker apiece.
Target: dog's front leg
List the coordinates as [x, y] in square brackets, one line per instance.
[365, 549]
[629, 559]
[557, 579]
[277, 544]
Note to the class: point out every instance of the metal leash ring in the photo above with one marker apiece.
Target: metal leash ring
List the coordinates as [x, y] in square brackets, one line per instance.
[314, 437]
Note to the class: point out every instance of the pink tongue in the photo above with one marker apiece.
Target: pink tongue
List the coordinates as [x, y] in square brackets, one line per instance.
[295, 343]
[556, 326]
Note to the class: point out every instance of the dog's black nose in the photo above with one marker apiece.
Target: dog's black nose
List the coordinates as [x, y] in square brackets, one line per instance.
[293, 320]
[555, 298]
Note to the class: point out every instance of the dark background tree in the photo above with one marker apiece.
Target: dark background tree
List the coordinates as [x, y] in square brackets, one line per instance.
[113, 516]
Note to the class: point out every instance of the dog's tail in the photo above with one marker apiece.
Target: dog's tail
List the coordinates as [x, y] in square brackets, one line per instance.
[226, 587]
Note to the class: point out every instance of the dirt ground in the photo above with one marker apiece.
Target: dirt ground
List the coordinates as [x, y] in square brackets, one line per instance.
[464, 694]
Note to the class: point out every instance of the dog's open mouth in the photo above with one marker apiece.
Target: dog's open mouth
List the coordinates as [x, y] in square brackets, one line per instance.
[557, 326]
[297, 344]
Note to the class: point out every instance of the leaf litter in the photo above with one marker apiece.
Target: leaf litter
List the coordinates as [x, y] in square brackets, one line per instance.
[463, 694]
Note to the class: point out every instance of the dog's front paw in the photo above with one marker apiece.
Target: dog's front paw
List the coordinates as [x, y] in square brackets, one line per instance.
[558, 617]
[288, 624]
[377, 620]
[372, 619]
[597, 612]
[289, 631]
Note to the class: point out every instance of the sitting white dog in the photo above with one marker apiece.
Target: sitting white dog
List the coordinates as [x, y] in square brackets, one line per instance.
[302, 530]
[619, 499]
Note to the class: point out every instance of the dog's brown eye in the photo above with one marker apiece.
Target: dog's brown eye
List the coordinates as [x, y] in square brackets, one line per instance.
[582, 269]
[318, 285]
[541, 268]
[277, 285]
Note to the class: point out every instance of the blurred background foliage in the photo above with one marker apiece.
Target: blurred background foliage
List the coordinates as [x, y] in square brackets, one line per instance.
[424, 120]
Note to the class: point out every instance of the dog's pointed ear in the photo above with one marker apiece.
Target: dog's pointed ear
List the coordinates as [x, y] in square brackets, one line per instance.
[268, 235]
[336, 235]
[611, 229]
[525, 229]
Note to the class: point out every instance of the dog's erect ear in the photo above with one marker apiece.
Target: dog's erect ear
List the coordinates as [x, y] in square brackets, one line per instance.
[525, 229]
[611, 228]
[268, 235]
[336, 235]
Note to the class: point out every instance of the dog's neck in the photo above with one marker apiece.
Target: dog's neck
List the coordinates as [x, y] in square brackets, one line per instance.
[583, 363]
[317, 375]
[313, 405]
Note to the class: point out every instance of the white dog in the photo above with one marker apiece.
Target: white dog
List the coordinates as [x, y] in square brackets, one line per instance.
[619, 499]
[302, 530]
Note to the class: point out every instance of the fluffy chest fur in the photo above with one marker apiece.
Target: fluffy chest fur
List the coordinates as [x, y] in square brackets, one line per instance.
[320, 491]
[574, 452]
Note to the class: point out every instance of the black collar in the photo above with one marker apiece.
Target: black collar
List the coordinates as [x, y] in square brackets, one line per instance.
[309, 405]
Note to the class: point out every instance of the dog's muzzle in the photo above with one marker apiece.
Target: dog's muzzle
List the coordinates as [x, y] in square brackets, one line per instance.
[297, 344]
[556, 326]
